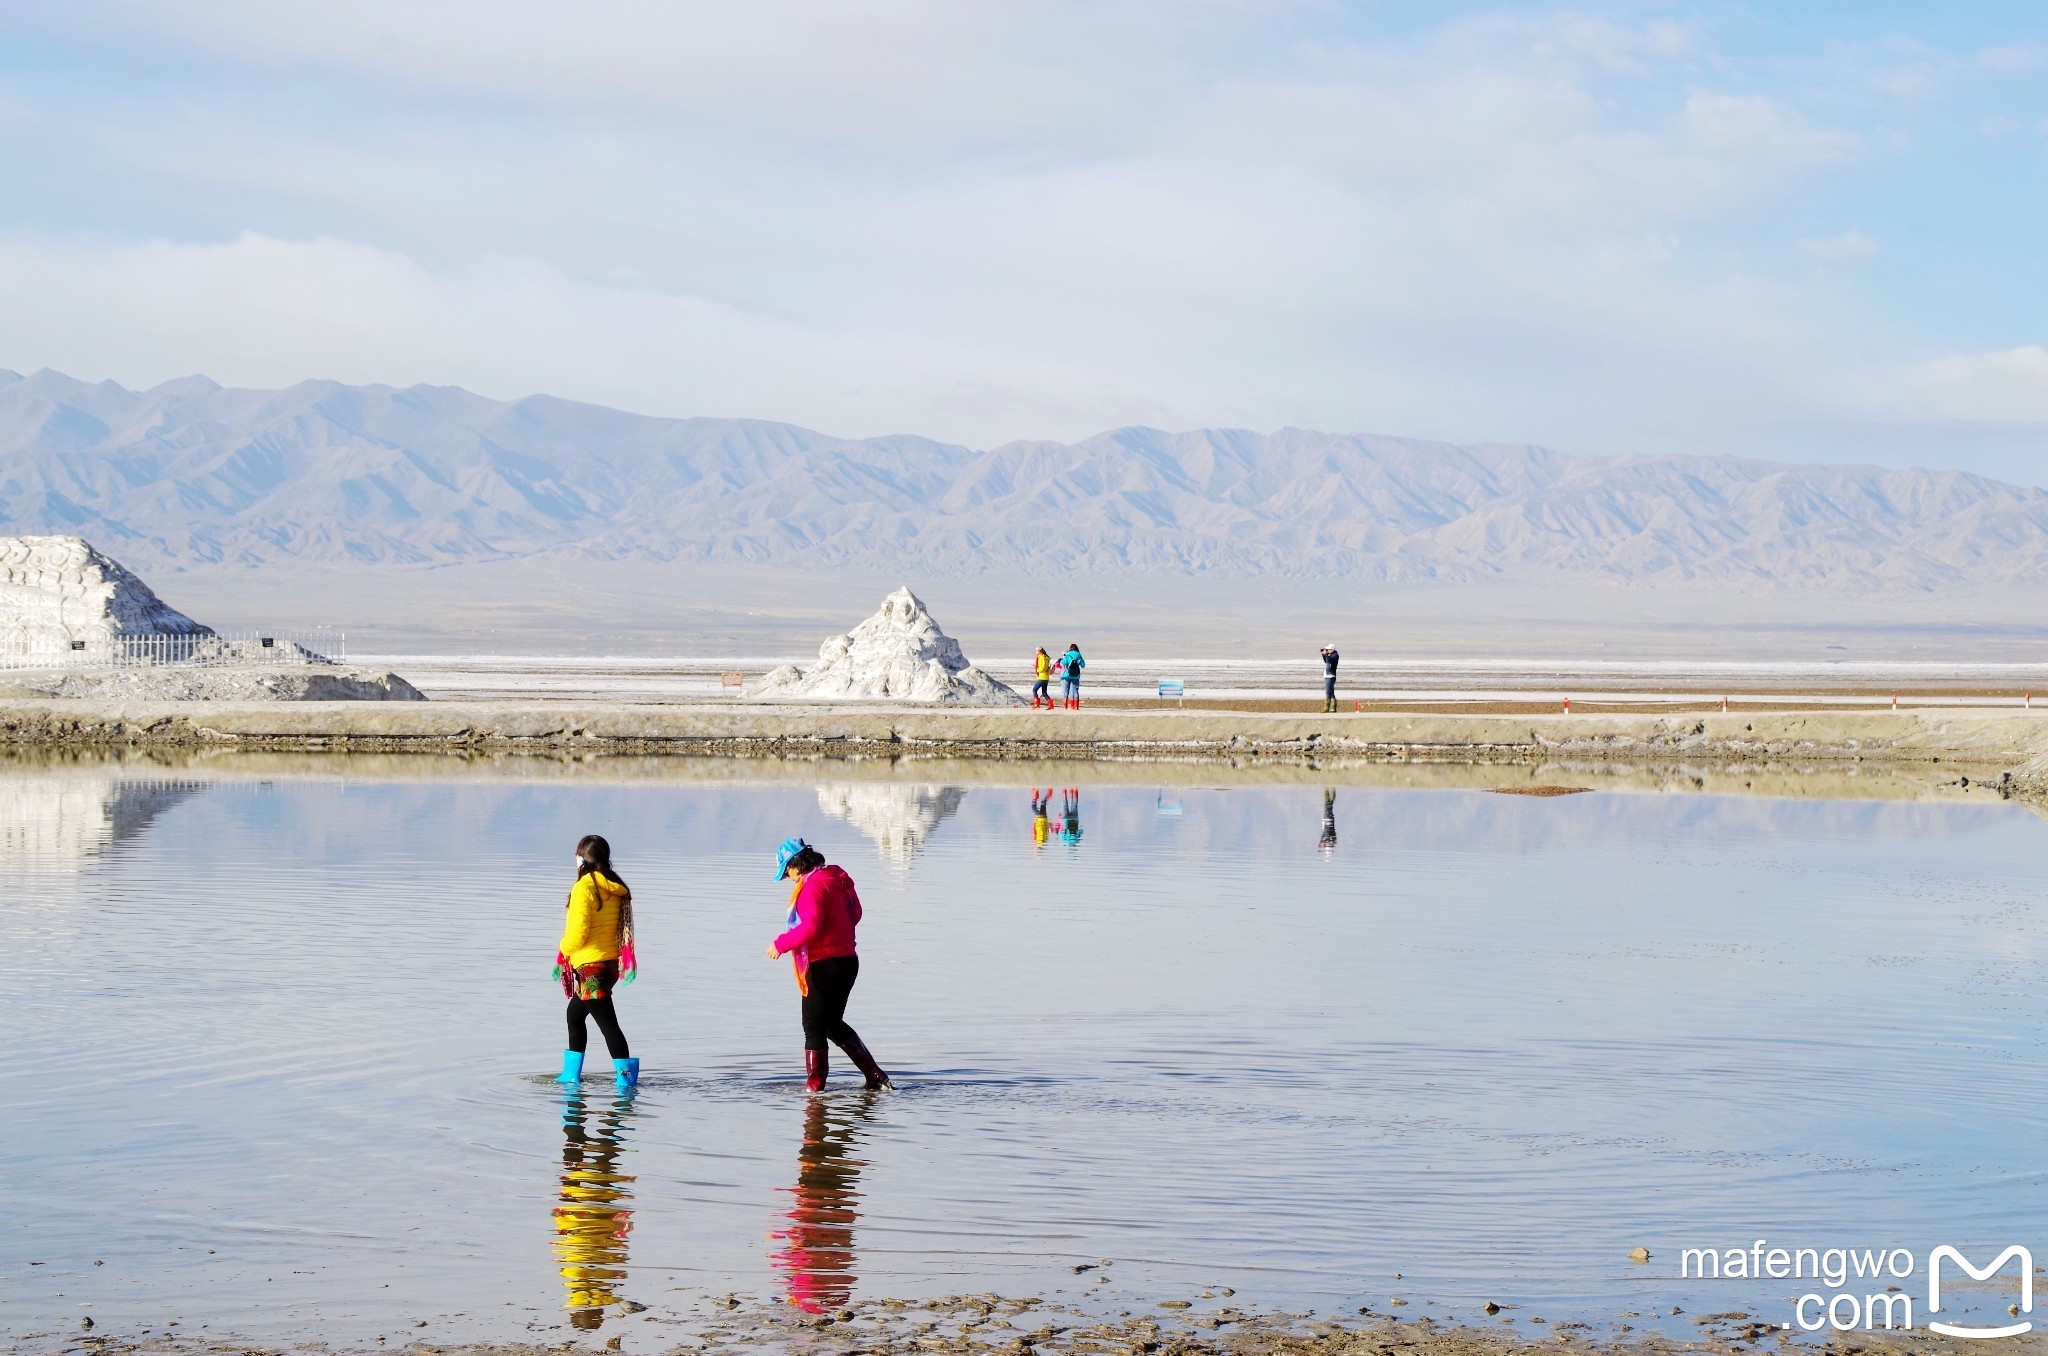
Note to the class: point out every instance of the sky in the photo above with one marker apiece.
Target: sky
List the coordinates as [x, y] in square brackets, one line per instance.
[1802, 231]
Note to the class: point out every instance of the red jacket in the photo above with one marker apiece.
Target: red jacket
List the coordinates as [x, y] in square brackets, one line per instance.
[821, 920]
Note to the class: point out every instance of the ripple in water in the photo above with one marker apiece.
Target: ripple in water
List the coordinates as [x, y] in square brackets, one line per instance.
[283, 1047]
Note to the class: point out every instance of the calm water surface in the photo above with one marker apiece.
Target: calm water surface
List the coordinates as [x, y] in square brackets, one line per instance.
[278, 1048]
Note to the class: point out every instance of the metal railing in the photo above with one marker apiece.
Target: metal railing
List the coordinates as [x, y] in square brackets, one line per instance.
[239, 649]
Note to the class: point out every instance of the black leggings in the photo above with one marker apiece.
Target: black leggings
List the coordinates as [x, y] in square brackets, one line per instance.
[831, 984]
[607, 1021]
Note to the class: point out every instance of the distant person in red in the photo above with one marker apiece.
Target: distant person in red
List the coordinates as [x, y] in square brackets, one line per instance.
[824, 909]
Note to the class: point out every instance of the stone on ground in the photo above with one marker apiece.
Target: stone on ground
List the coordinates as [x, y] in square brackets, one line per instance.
[899, 654]
[213, 683]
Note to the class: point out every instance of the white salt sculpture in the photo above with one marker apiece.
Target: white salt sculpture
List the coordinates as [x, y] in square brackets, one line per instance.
[899, 655]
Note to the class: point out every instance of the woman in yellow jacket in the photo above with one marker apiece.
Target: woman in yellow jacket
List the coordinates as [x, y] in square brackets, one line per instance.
[596, 955]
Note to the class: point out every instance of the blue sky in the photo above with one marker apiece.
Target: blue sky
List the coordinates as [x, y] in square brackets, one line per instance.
[1807, 231]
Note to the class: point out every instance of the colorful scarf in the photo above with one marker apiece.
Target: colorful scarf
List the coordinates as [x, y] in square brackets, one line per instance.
[796, 963]
[629, 961]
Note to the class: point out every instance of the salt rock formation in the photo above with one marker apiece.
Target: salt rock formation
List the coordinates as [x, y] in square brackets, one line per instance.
[55, 590]
[899, 654]
[65, 604]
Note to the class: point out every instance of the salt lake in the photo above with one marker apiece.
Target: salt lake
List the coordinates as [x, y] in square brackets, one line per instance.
[281, 1043]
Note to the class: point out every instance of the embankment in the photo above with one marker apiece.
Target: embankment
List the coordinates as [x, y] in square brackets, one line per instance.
[1975, 743]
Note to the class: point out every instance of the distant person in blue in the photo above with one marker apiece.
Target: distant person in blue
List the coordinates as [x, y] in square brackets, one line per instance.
[1071, 664]
[1329, 677]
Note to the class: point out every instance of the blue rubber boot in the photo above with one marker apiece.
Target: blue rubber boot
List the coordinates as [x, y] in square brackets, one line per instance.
[572, 1067]
[628, 1071]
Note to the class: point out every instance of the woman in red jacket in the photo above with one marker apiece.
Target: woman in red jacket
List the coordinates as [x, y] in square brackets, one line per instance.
[823, 911]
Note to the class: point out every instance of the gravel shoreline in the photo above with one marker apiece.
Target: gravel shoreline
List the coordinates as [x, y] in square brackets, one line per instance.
[2004, 741]
[994, 1325]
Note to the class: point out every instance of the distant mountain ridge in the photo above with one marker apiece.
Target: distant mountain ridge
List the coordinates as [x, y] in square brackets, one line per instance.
[190, 471]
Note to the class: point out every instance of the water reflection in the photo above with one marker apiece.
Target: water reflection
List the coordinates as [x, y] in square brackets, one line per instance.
[1070, 816]
[897, 817]
[1062, 823]
[1328, 843]
[53, 823]
[593, 1216]
[817, 1255]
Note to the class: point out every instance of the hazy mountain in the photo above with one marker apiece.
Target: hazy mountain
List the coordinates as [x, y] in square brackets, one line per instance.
[191, 471]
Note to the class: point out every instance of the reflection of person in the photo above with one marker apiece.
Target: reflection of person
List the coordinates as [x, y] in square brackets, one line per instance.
[817, 1256]
[1329, 677]
[1329, 840]
[1040, 827]
[1071, 664]
[1070, 816]
[595, 956]
[824, 909]
[1041, 679]
[592, 1217]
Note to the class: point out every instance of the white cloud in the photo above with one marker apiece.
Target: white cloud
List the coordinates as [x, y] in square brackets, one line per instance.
[1912, 84]
[1850, 247]
[1018, 218]
[2009, 386]
[266, 312]
[2020, 56]
[1996, 125]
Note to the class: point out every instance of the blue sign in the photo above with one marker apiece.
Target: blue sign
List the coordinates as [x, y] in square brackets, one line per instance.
[1173, 687]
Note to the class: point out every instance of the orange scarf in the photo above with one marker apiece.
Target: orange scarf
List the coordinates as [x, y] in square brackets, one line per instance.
[796, 965]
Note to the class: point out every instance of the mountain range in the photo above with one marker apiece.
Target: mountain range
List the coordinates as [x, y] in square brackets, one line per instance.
[193, 472]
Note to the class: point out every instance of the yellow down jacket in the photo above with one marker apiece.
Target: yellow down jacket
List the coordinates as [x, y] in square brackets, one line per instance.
[597, 913]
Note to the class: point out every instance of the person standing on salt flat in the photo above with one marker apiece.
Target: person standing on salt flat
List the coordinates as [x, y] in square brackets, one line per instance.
[1071, 664]
[1041, 676]
[824, 909]
[1330, 677]
[595, 957]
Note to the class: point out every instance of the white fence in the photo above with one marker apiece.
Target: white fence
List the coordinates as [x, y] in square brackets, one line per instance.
[223, 648]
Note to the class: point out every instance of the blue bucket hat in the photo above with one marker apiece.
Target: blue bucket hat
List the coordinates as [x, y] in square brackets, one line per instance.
[786, 853]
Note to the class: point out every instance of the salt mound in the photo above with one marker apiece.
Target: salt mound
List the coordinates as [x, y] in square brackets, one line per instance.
[64, 605]
[899, 654]
[55, 590]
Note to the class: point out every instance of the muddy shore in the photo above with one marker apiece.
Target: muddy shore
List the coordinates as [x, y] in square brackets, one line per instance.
[992, 1325]
[2000, 746]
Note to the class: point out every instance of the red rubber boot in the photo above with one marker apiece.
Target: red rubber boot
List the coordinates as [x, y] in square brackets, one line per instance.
[857, 1051]
[816, 1066]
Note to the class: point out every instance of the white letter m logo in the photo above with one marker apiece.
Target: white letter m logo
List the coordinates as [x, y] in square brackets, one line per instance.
[1981, 1274]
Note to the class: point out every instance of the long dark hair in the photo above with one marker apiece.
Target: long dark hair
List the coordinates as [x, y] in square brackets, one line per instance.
[597, 856]
[807, 861]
